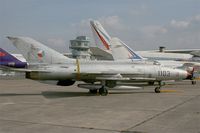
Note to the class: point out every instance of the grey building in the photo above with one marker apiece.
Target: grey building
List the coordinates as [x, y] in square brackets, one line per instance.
[80, 47]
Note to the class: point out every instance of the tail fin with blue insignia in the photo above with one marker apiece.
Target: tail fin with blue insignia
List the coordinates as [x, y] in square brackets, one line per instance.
[121, 51]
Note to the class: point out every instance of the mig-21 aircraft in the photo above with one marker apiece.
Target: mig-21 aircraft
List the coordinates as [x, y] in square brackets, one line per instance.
[46, 64]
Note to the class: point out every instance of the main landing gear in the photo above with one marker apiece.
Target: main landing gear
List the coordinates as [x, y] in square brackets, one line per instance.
[103, 91]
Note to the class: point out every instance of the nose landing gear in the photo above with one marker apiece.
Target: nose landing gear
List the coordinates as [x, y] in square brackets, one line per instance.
[158, 89]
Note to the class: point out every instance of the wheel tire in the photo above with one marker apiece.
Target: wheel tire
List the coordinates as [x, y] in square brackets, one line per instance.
[103, 91]
[93, 91]
[157, 90]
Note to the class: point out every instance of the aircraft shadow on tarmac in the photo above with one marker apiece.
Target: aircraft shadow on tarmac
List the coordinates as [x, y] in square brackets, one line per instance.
[48, 94]
[57, 94]
[61, 94]
[18, 94]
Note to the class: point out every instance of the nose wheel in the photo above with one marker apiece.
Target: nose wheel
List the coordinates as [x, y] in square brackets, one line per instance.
[157, 90]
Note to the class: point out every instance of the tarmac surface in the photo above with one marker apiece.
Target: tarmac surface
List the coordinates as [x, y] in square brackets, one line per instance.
[27, 106]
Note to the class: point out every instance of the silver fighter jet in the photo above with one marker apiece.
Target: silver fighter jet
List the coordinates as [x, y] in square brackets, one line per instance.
[47, 64]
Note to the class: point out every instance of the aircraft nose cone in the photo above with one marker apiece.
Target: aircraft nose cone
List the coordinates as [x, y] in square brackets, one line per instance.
[184, 74]
[189, 75]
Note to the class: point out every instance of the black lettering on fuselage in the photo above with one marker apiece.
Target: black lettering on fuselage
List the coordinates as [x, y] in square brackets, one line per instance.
[164, 73]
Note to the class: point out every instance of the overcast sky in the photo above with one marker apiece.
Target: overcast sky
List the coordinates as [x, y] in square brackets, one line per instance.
[142, 24]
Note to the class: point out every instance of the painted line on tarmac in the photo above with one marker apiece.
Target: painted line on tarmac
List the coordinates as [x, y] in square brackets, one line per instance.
[166, 91]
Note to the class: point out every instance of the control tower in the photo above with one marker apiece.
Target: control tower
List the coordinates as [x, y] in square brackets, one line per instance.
[80, 47]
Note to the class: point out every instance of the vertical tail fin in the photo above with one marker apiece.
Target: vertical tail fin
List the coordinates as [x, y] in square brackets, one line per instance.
[36, 52]
[100, 34]
[7, 59]
[119, 49]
